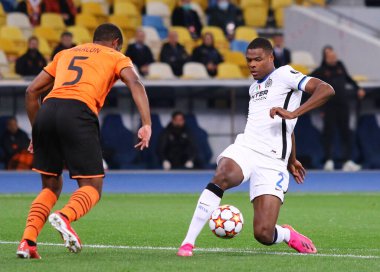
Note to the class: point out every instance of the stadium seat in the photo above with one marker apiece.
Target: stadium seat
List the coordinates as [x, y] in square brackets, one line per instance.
[237, 58]
[152, 39]
[128, 10]
[159, 9]
[44, 48]
[95, 9]
[21, 21]
[303, 58]
[194, 70]
[105, 4]
[300, 68]
[14, 34]
[229, 71]
[53, 20]
[184, 38]
[275, 4]
[202, 3]
[117, 143]
[2, 16]
[170, 3]
[127, 26]
[309, 153]
[80, 34]
[279, 17]
[220, 41]
[9, 48]
[138, 3]
[244, 33]
[4, 65]
[48, 33]
[239, 45]
[368, 133]
[149, 156]
[253, 3]
[160, 70]
[88, 21]
[204, 152]
[256, 16]
[157, 23]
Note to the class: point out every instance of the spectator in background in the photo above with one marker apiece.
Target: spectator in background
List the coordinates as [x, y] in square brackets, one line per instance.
[337, 111]
[32, 62]
[15, 143]
[207, 54]
[32, 9]
[65, 7]
[185, 16]
[225, 15]
[176, 146]
[140, 53]
[282, 55]
[9, 5]
[66, 42]
[174, 53]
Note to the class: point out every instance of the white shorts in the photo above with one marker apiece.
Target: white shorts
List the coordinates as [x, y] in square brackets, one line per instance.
[267, 175]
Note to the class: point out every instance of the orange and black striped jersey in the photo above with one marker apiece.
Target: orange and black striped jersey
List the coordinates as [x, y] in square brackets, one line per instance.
[86, 73]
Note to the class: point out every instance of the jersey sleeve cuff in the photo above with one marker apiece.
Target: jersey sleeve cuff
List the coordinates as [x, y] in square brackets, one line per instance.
[303, 82]
[48, 73]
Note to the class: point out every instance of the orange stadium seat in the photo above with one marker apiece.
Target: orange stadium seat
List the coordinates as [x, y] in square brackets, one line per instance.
[53, 20]
[48, 33]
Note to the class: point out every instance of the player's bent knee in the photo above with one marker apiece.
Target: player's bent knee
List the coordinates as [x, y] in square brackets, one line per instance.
[224, 180]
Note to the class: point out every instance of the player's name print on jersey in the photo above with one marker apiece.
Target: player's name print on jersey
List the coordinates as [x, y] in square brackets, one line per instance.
[87, 49]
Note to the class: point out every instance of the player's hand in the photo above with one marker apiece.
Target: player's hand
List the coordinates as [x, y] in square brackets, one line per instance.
[297, 170]
[30, 147]
[284, 114]
[144, 134]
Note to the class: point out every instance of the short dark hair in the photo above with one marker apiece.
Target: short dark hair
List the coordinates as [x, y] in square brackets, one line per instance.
[176, 113]
[108, 32]
[66, 33]
[33, 38]
[261, 43]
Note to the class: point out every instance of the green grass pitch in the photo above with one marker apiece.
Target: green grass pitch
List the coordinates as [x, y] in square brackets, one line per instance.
[141, 232]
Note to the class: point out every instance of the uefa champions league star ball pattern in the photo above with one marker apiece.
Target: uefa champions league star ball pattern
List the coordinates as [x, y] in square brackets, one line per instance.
[226, 222]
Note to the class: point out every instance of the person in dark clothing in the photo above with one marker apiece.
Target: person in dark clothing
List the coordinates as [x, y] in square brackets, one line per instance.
[337, 111]
[207, 54]
[185, 16]
[225, 15]
[281, 54]
[32, 62]
[140, 53]
[14, 140]
[66, 42]
[174, 54]
[65, 7]
[176, 146]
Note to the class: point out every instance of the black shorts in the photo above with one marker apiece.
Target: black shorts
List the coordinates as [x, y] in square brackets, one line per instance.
[66, 132]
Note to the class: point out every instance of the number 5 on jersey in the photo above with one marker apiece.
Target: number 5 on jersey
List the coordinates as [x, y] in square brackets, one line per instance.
[75, 68]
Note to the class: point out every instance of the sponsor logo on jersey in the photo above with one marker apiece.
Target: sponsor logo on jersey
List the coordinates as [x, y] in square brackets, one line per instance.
[262, 95]
[294, 72]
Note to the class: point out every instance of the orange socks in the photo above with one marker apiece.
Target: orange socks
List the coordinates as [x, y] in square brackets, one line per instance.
[38, 214]
[80, 202]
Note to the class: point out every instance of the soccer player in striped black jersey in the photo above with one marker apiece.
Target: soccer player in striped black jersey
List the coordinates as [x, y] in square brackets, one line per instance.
[265, 153]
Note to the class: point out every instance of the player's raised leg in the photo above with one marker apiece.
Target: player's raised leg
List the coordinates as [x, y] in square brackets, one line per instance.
[38, 214]
[266, 211]
[79, 204]
[228, 175]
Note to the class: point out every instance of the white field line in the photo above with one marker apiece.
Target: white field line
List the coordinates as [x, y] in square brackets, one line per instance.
[231, 250]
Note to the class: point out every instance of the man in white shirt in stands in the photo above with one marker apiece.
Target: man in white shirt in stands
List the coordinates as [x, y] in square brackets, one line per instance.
[265, 152]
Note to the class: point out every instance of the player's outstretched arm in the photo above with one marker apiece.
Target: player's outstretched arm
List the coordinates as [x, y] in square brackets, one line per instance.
[320, 92]
[41, 84]
[132, 80]
[294, 166]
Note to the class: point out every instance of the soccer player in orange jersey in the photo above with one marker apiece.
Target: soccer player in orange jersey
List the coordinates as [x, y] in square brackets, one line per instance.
[66, 129]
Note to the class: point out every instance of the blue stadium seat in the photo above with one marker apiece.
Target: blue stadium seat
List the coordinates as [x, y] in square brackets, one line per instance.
[308, 143]
[239, 45]
[204, 152]
[118, 143]
[368, 133]
[157, 23]
[149, 156]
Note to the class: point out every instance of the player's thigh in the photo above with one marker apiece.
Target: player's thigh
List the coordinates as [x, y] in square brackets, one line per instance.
[234, 167]
[48, 158]
[80, 141]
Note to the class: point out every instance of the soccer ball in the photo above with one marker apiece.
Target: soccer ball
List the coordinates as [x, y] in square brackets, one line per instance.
[226, 222]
